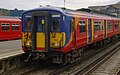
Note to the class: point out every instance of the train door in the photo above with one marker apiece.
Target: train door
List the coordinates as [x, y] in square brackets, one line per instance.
[89, 31]
[40, 31]
[70, 30]
[104, 28]
[74, 36]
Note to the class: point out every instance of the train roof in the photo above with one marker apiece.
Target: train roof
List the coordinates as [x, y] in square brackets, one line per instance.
[45, 9]
[9, 18]
[73, 12]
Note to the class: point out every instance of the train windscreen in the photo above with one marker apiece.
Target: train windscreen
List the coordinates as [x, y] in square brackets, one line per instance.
[28, 23]
[55, 22]
[39, 19]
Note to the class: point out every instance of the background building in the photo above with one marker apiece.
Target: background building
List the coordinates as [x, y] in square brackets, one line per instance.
[16, 12]
[113, 9]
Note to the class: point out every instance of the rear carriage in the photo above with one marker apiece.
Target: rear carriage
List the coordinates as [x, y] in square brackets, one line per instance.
[10, 28]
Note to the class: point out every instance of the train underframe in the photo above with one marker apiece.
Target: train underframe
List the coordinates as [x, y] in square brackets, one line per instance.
[70, 57]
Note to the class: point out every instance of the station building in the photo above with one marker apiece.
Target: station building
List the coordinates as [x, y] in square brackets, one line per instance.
[113, 9]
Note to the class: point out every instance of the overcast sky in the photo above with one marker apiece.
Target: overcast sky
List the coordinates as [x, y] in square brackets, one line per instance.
[72, 4]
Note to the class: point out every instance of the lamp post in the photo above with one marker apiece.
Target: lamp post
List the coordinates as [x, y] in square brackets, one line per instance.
[64, 3]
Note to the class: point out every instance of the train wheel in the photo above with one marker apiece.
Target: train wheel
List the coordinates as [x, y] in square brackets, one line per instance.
[66, 59]
[105, 42]
[101, 44]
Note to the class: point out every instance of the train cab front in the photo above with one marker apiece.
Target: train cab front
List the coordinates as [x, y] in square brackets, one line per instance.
[42, 33]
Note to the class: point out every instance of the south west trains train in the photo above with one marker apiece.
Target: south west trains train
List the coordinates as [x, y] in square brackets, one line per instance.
[10, 28]
[61, 35]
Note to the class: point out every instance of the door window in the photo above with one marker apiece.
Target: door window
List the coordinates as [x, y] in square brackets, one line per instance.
[116, 24]
[82, 26]
[96, 25]
[70, 26]
[110, 25]
[41, 23]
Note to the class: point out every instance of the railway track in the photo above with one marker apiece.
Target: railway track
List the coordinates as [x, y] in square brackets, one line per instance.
[46, 69]
[118, 72]
[86, 69]
[94, 65]
[82, 67]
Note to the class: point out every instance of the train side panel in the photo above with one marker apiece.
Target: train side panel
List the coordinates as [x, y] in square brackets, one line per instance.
[16, 29]
[81, 32]
[10, 29]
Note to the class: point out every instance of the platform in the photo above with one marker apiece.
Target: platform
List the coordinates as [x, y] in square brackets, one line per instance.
[10, 48]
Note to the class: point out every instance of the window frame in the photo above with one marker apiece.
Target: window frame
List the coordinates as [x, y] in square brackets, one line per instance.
[99, 24]
[56, 18]
[5, 25]
[116, 22]
[82, 24]
[25, 24]
[109, 25]
[15, 25]
[96, 24]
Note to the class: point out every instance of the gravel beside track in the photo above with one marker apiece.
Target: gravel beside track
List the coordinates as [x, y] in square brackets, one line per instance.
[110, 67]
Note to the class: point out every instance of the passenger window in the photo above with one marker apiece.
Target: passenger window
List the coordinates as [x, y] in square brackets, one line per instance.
[55, 22]
[41, 24]
[116, 24]
[101, 27]
[109, 25]
[82, 26]
[96, 26]
[15, 26]
[5, 26]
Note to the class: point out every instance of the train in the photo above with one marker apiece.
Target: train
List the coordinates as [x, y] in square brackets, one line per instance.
[10, 28]
[61, 35]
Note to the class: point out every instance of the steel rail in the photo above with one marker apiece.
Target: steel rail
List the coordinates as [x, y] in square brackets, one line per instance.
[58, 72]
[97, 63]
[118, 72]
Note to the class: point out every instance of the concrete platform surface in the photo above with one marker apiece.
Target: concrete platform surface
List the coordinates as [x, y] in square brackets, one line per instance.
[10, 48]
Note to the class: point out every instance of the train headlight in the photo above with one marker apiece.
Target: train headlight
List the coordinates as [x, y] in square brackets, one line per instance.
[28, 44]
[56, 44]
